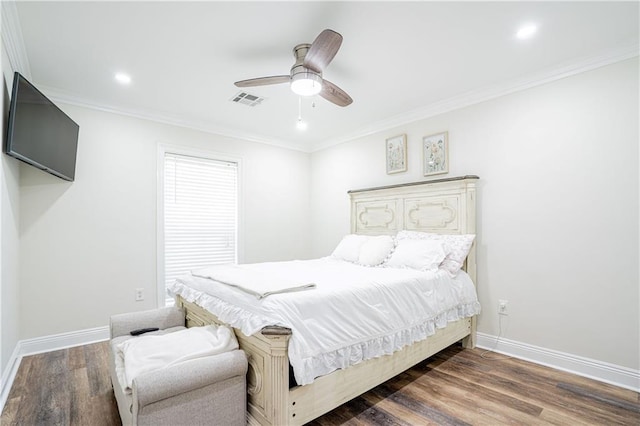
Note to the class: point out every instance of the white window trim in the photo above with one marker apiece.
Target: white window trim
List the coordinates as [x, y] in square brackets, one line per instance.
[161, 300]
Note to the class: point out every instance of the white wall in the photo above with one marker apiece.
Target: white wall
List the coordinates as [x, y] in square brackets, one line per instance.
[9, 285]
[557, 212]
[85, 246]
[9, 219]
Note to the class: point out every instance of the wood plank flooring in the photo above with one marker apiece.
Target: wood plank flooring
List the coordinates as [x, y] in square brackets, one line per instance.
[456, 387]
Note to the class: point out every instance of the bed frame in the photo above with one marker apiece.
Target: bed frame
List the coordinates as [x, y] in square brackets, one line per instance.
[445, 206]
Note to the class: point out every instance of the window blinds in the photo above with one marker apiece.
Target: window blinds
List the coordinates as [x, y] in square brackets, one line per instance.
[200, 213]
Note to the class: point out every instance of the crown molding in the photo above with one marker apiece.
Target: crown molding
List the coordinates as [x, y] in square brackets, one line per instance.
[60, 96]
[16, 51]
[12, 40]
[490, 92]
[13, 44]
[466, 99]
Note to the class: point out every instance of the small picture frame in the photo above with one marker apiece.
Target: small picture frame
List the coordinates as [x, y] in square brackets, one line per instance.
[396, 154]
[435, 152]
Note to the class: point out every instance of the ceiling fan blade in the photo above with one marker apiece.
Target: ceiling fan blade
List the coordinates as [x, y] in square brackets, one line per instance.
[263, 81]
[322, 50]
[334, 94]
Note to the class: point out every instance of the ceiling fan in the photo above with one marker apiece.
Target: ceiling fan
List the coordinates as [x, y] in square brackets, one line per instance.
[306, 73]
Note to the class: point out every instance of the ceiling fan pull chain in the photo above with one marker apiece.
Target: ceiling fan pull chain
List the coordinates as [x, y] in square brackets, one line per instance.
[300, 124]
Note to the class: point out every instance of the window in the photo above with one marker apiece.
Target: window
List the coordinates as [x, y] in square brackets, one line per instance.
[199, 215]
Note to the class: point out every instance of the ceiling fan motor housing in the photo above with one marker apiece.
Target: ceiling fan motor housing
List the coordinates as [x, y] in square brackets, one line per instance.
[304, 81]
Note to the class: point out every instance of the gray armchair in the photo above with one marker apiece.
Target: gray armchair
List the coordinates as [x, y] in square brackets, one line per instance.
[209, 390]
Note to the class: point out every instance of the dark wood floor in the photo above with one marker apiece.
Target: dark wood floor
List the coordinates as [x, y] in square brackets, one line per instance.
[456, 387]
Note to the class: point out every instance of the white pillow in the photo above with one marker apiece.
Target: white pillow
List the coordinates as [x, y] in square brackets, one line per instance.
[349, 247]
[457, 246]
[375, 250]
[421, 254]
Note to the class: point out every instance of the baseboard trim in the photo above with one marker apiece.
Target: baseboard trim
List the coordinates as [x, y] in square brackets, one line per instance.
[598, 370]
[46, 344]
[609, 373]
[63, 340]
[8, 376]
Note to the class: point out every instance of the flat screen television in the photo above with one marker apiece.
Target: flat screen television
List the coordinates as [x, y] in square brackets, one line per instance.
[39, 133]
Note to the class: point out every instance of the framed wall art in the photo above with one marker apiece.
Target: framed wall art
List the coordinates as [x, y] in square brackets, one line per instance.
[396, 154]
[435, 150]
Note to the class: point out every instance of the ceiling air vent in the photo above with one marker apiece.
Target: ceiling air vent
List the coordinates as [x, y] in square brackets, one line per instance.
[245, 98]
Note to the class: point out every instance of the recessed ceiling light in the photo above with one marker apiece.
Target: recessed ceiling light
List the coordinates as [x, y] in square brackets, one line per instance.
[527, 31]
[123, 78]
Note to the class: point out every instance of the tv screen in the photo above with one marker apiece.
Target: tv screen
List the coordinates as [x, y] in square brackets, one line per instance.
[39, 133]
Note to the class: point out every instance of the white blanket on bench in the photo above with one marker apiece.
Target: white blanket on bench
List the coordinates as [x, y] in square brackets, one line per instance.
[260, 283]
[148, 353]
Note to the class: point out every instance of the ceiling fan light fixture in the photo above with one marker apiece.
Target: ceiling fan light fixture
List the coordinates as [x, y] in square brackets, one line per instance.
[306, 83]
[526, 31]
[301, 125]
[122, 78]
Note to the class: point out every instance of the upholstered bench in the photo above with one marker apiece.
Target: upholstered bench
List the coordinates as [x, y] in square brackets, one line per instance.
[205, 390]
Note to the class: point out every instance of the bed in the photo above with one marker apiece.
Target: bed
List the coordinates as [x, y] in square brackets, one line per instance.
[444, 206]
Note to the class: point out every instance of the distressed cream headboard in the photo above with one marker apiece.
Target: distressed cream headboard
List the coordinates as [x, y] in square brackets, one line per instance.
[443, 206]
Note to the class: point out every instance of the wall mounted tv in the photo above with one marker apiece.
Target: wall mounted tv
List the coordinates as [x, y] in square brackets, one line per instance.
[39, 133]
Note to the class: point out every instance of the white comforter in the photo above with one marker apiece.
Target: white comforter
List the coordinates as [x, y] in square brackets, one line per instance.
[354, 313]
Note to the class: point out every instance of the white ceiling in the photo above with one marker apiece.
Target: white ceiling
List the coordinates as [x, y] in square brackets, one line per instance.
[399, 61]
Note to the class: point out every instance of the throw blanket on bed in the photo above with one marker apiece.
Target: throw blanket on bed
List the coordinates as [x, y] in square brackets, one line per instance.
[259, 283]
[153, 352]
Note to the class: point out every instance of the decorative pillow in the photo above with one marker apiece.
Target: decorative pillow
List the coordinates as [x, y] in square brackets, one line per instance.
[421, 254]
[349, 247]
[457, 246]
[375, 250]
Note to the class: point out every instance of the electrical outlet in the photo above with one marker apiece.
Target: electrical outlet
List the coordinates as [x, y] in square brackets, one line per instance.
[139, 294]
[502, 307]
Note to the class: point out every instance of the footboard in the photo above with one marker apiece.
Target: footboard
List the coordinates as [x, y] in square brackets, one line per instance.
[328, 392]
[268, 373]
[271, 402]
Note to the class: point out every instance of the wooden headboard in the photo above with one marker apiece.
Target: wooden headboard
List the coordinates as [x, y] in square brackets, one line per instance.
[443, 206]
